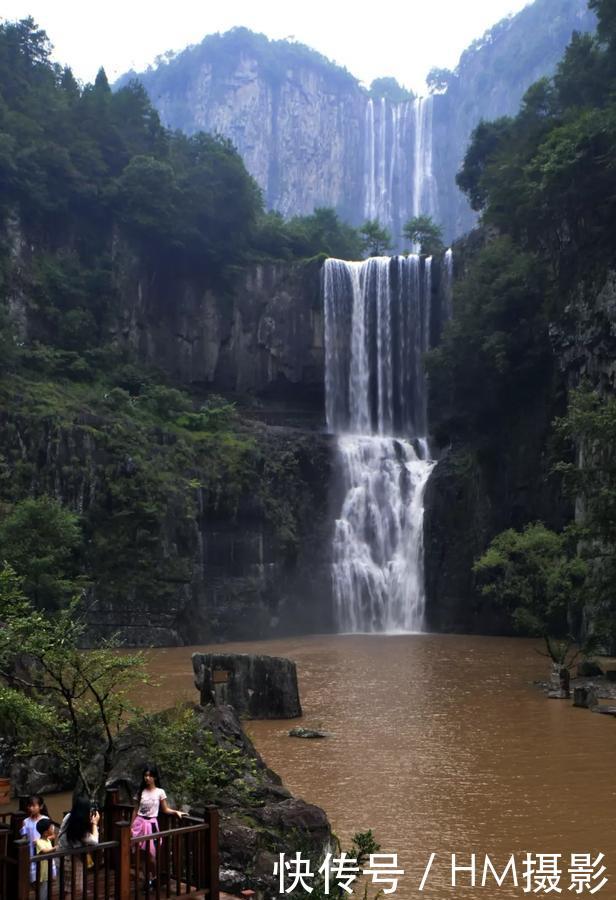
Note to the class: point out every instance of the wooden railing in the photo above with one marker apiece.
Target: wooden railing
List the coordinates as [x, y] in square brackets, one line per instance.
[184, 862]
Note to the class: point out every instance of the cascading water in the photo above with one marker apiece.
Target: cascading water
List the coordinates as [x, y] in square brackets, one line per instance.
[388, 162]
[399, 179]
[449, 284]
[377, 328]
[425, 197]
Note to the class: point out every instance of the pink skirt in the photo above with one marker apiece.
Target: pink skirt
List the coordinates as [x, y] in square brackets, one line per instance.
[141, 827]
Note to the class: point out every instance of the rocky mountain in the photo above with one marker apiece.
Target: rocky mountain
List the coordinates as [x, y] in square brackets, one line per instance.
[312, 135]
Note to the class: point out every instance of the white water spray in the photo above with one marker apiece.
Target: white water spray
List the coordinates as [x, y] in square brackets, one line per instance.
[377, 328]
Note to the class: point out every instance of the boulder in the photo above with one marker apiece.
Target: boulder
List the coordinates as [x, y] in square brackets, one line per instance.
[296, 817]
[311, 733]
[259, 687]
[585, 696]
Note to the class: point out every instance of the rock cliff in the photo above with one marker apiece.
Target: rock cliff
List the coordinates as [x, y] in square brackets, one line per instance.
[312, 136]
[262, 335]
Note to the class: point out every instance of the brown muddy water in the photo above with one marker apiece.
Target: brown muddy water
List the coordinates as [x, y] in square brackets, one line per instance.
[440, 744]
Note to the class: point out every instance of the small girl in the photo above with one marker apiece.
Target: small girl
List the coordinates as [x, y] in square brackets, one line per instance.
[150, 798]
[37, 810]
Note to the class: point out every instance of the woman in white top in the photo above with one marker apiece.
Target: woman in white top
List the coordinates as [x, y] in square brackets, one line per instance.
[151, 797]
[79, 828]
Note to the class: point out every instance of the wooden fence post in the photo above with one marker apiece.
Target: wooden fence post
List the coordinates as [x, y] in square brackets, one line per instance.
[112, 796]
[212, 858]
[123, 861]
[23, 869]
[13, 839]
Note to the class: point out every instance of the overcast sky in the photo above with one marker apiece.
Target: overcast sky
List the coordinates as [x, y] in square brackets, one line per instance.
[403, 38]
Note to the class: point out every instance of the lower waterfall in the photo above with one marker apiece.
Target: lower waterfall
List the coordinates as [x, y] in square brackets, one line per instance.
[377, 328]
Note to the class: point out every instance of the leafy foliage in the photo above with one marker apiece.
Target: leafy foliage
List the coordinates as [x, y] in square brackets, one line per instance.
[496, 349]
[590, 427]
[306, 236]
[546, 177]
[376, 239]
[545, 183]
[423, 231]
[536, 576]
[195, 768]
[391, 90]
[71, 704]
[590, 424]
[39, 539]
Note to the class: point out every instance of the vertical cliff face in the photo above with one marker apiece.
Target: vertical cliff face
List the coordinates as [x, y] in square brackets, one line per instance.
[298, 124]
[262, 336]
[312, 136]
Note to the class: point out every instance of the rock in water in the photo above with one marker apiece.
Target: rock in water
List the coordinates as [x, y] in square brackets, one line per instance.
[301, 732]
[260, 687]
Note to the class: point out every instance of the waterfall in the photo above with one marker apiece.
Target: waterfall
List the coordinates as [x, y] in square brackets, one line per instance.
[425, 197]
[369, 166]
[388, 157]
[399, 180]
[449, 284]
[377, 328]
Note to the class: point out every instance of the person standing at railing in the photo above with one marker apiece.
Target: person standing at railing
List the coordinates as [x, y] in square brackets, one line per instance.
[79, 828]
[37, 810]
[151, 798]
[44, 844]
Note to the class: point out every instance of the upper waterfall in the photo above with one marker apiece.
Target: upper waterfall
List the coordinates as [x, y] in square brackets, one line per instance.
[399, 179]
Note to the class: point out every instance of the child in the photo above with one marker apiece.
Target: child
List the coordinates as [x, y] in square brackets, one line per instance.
[37, 810]
[150, 798]
[44, 844]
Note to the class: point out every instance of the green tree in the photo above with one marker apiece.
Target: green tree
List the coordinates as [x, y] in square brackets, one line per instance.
[376, 239]
[606, 13]
[40, 539]
[391, 90]
[423, 231]
[439, 80]
[147, 199]
[496, 351]
[537, 578]
[55, 696]
[486, 140]
[590, 425]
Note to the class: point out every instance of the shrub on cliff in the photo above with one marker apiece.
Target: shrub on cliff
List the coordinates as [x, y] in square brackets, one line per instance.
[40, 538]
[537, 577]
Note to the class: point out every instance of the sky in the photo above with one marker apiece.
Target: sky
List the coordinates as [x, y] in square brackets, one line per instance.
[401, 39]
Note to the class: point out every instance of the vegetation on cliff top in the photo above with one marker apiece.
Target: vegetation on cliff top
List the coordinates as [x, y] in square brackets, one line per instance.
[545, 185]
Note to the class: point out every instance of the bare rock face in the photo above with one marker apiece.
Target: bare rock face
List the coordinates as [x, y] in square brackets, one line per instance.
[265, 337]
[261, 687]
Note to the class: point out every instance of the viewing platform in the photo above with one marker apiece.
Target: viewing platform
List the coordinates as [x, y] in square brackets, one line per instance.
[185, 860]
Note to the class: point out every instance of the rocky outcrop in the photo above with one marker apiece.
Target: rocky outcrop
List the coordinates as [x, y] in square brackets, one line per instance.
[585, 341]
[260, 687]
[262, 335]
[209, 561]
[259, 818]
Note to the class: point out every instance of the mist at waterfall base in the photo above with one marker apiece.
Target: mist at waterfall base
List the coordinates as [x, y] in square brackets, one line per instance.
[377, 327]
